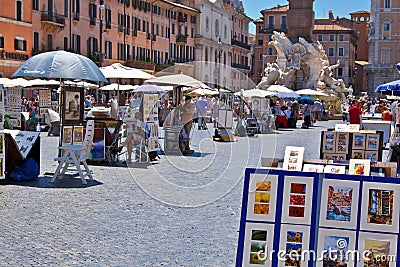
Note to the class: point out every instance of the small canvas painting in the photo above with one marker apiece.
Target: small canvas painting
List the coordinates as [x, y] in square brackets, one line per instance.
[359, 167]
[339, 203]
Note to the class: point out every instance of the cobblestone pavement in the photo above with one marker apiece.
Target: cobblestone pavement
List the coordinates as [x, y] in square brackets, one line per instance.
[179, 212]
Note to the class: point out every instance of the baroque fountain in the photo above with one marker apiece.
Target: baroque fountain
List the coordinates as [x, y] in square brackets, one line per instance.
[301, 65]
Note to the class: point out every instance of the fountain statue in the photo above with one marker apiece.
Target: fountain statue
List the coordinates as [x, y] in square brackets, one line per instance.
[302, 64]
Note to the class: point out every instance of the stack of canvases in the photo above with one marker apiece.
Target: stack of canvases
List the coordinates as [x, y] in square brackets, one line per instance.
[2, 146]
[339, 146]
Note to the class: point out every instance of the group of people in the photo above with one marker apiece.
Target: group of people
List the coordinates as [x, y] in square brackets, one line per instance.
[388, 111]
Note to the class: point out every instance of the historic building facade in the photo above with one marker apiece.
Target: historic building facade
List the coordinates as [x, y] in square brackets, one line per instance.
[383, 43]
[15, 34]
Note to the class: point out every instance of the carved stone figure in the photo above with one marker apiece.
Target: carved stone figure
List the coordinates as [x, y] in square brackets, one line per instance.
[272, 73]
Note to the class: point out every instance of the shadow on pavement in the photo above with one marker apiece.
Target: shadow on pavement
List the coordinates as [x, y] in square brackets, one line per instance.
[69, 181]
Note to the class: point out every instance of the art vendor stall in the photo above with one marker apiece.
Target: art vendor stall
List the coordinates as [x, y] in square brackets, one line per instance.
[288, 214]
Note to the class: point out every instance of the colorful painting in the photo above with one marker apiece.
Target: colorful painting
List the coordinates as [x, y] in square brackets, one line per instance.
[372, 155]
[342, 143]
[378, 250]
[297, 200]
[359, 167]
[380, 206]
[358, 141]
[293, 160]
[339, 203]
[335, 169]
[372, 142]
[313, 168]
[78, 135]
[99, 145]
[67, 135]
[294, 240]
[335, 157]
[338, 244]
[357, 154]
[258, 239]
[262, 197]
[329, 142]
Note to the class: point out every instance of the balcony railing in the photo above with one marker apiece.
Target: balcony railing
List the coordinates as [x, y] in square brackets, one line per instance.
[53, 18]
[180, 38]
[240, 66]
[240, 44]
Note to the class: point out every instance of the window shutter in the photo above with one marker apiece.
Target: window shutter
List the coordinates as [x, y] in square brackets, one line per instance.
[78, 37]
[24, 45]
[15, 44]
[95, 45]
[1, 42]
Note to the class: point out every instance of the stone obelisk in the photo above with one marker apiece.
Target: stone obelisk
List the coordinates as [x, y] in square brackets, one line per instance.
[300, 19]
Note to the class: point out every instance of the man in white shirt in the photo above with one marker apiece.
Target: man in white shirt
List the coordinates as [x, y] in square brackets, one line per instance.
[201, 108]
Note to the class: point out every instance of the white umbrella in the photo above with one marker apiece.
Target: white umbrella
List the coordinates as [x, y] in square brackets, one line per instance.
[116, 86]
[177, 80]
[256, 93]
[117, 70]
[40, 82]
[82, 83]
[282, 91]
[310, 92]
[200, 91]
[149, 88]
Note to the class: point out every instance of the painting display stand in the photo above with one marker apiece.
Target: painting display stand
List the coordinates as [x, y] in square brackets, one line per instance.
[19, 147]
[297, 212]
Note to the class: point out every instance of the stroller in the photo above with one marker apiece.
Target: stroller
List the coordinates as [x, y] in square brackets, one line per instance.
[252, 126]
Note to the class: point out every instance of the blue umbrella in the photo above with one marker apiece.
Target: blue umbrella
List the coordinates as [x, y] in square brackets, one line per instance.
[306, 100]
[389, 88]
[60, 65]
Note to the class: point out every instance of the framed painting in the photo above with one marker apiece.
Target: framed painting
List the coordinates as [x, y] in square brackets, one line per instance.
[372, 142]
[335, 157]
[357, 154]
[382, 248]
[73, 107]
[339, 243]
[372, 155]
[295, 241]
[339, 203]
[358, 141]
[258, 241]
[293, 160]
[78, 135]
[335, 169]
[262, 197]
[359, 167]
[2, 167]
[297, 207]
[313, 168]
[328, 142]
[342, 143]
[380, 207]
[67, 133]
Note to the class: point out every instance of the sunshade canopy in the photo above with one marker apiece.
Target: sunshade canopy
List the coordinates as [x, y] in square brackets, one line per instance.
[117, 70]
[177, 80]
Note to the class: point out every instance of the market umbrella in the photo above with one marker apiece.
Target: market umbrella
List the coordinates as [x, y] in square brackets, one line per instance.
[310, 92]
[117, 70]
[200, 91]
[306, 100]
[40, 82]
[389, 88]
[282, 91]
[177, 80]
[116, 86]
[60, 65]
[149, 88]
[256, 93]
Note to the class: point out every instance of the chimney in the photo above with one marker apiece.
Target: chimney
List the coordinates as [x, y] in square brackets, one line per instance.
[331, 14]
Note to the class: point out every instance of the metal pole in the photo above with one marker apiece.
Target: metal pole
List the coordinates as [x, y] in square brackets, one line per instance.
[101, 7]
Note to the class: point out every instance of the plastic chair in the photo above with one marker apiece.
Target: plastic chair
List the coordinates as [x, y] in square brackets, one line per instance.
[76, 155]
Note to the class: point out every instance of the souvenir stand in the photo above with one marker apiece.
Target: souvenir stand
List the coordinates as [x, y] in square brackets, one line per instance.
[225, 117]
[302, 208]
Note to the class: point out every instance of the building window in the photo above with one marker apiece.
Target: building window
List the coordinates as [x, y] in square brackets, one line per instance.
[108, 18]
[92, 14]
[341, 37]
[206, 55]
[65, 43]
[120, 50]
[386, 31]
[385, 56]
[320, 38]
[387, 3]
[271, 22]
[1, 42]
[92, 46]
[66, 8]
[270, 51]
[331, 37]
[18, 11]
[19, 44]
[36, 41]
[35, 5]
[49, 42]
[76, 43]
[330, 52]
[260, 41]
[340, 72]
[341, 51]
[283, 22]
[76, 7]
[108, 49]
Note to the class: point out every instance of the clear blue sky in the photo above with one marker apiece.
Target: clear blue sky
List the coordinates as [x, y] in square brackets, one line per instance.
[340, 8]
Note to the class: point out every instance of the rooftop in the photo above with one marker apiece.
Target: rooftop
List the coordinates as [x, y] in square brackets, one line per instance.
[330, 28]
[277, 8]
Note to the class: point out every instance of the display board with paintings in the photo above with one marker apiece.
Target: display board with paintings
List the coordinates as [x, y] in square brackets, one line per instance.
[73, 107]
[343, 145]
[150, 117]
[292, 212]
[12, 104]
[24, 140]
